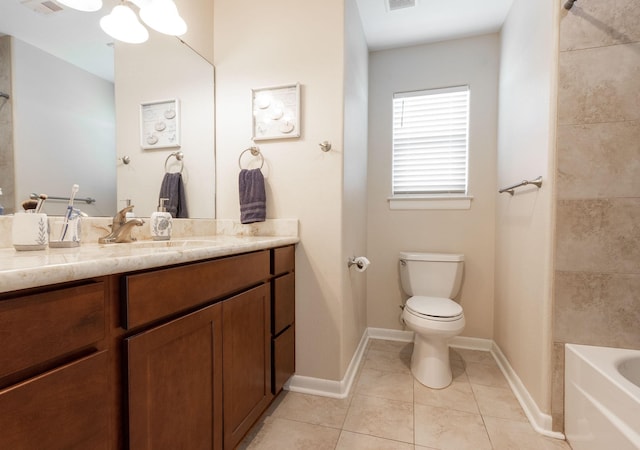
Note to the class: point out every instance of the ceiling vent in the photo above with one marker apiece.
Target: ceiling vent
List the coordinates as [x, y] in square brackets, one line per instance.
[44, 7]
[400, 4]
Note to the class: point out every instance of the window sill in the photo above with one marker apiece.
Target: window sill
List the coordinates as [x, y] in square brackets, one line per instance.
[430, 202]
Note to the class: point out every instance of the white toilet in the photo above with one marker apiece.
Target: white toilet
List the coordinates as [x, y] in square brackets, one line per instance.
[432, 280]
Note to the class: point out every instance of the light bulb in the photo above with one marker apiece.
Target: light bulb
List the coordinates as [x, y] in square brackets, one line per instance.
[82, 5]
[163, 16]
[123, 25]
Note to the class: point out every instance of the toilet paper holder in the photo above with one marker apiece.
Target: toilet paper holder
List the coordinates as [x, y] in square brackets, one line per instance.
[360, 262]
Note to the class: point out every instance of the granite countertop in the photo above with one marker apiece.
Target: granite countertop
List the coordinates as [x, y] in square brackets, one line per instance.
[25, 269]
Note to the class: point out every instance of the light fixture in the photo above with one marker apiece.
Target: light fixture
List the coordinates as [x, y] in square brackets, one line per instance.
[82, 5]
[123, 25]
[163, 16]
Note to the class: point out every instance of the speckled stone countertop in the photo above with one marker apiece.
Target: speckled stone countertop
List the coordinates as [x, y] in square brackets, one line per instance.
[25, 269]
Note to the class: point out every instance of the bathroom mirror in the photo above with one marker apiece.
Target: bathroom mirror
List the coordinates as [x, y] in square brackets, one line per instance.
[52, 137]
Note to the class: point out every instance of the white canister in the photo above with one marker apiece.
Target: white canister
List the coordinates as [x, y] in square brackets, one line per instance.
[29, 231]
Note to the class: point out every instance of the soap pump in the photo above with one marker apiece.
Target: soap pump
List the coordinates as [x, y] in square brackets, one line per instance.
[161, 223]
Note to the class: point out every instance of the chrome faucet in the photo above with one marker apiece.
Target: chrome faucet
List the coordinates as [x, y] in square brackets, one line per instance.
[121, 228]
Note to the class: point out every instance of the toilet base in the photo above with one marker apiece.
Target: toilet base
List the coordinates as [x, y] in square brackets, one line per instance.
[430, 362]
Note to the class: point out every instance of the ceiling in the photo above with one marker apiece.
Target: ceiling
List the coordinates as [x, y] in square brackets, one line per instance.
[76, 36]
[429, 21]
[70, 35]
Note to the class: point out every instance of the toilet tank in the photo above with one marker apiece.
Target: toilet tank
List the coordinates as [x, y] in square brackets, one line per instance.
[431, 274]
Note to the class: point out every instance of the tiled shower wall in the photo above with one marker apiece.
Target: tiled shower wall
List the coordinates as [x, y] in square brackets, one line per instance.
[597, 263]
[6, 128]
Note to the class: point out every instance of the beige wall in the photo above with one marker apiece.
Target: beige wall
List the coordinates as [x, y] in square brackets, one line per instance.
[160, 69]
[354, 190]
[261, 44]
[598, 203]
[472, 61]
[6, 129]
[524, 221]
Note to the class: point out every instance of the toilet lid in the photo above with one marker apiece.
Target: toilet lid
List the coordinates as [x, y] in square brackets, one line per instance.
[434, 306]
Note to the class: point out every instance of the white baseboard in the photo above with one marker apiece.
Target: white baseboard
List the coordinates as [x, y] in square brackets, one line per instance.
[471, 343]
[540, 421]
[330, 388]
[390, 335]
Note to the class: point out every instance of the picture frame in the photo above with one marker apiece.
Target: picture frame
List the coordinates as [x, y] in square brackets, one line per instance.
[276, 112]
[160, 124]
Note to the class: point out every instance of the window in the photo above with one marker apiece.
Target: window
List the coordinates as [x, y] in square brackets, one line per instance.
[430, 142]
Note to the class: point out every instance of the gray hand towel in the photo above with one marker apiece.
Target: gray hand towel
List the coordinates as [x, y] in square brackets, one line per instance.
[173, 189]
[253, 199]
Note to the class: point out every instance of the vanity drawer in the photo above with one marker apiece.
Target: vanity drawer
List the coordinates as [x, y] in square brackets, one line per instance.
[283, 260]
[40, 327]
[161, 293]
[283, 306]
[65, 408]
[284, 358]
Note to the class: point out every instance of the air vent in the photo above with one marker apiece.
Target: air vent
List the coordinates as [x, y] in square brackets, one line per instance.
[45, 7]
[400, 4]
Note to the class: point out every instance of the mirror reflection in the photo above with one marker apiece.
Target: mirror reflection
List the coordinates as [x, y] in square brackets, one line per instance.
[68, 113]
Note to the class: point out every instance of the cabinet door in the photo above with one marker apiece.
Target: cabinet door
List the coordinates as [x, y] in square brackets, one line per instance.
[175, 383]
[246, 361]
[65, 408]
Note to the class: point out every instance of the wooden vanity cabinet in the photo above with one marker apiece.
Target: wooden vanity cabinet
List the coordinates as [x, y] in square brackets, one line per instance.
[175, 383]
[54, 369]
[246, 361]
[283, 317]
[199, 359]
[187, 356]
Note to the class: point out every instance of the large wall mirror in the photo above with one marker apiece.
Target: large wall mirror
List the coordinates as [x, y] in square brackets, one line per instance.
[73, 112]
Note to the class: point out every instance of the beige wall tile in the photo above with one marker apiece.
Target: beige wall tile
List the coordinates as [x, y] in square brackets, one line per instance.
[6, 129]
[590, 91]
[598, 160]
[557, 387]
[594, 23]
[598, 235]
[597, 309]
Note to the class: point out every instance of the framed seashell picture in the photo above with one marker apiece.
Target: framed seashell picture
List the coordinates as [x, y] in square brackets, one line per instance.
[276, 112]
[160, 124]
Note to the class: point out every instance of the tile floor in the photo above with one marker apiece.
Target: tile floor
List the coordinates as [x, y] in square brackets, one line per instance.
[388, 410]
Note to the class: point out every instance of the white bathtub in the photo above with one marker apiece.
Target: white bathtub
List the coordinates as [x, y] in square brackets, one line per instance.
[602, 398]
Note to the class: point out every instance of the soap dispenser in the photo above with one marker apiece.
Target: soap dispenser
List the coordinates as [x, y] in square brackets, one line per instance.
[161, 223]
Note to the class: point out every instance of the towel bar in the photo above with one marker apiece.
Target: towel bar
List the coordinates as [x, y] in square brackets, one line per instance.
[178, 156]
[87, 200]
[255, 151]
[510, 189]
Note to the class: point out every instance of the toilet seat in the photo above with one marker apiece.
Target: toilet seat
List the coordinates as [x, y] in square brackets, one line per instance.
[434, 308]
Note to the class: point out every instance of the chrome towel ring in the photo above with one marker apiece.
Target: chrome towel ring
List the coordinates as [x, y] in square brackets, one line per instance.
[255, 151]
[178, 156]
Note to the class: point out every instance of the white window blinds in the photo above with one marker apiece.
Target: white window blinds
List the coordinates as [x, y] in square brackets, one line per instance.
[430, 141]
